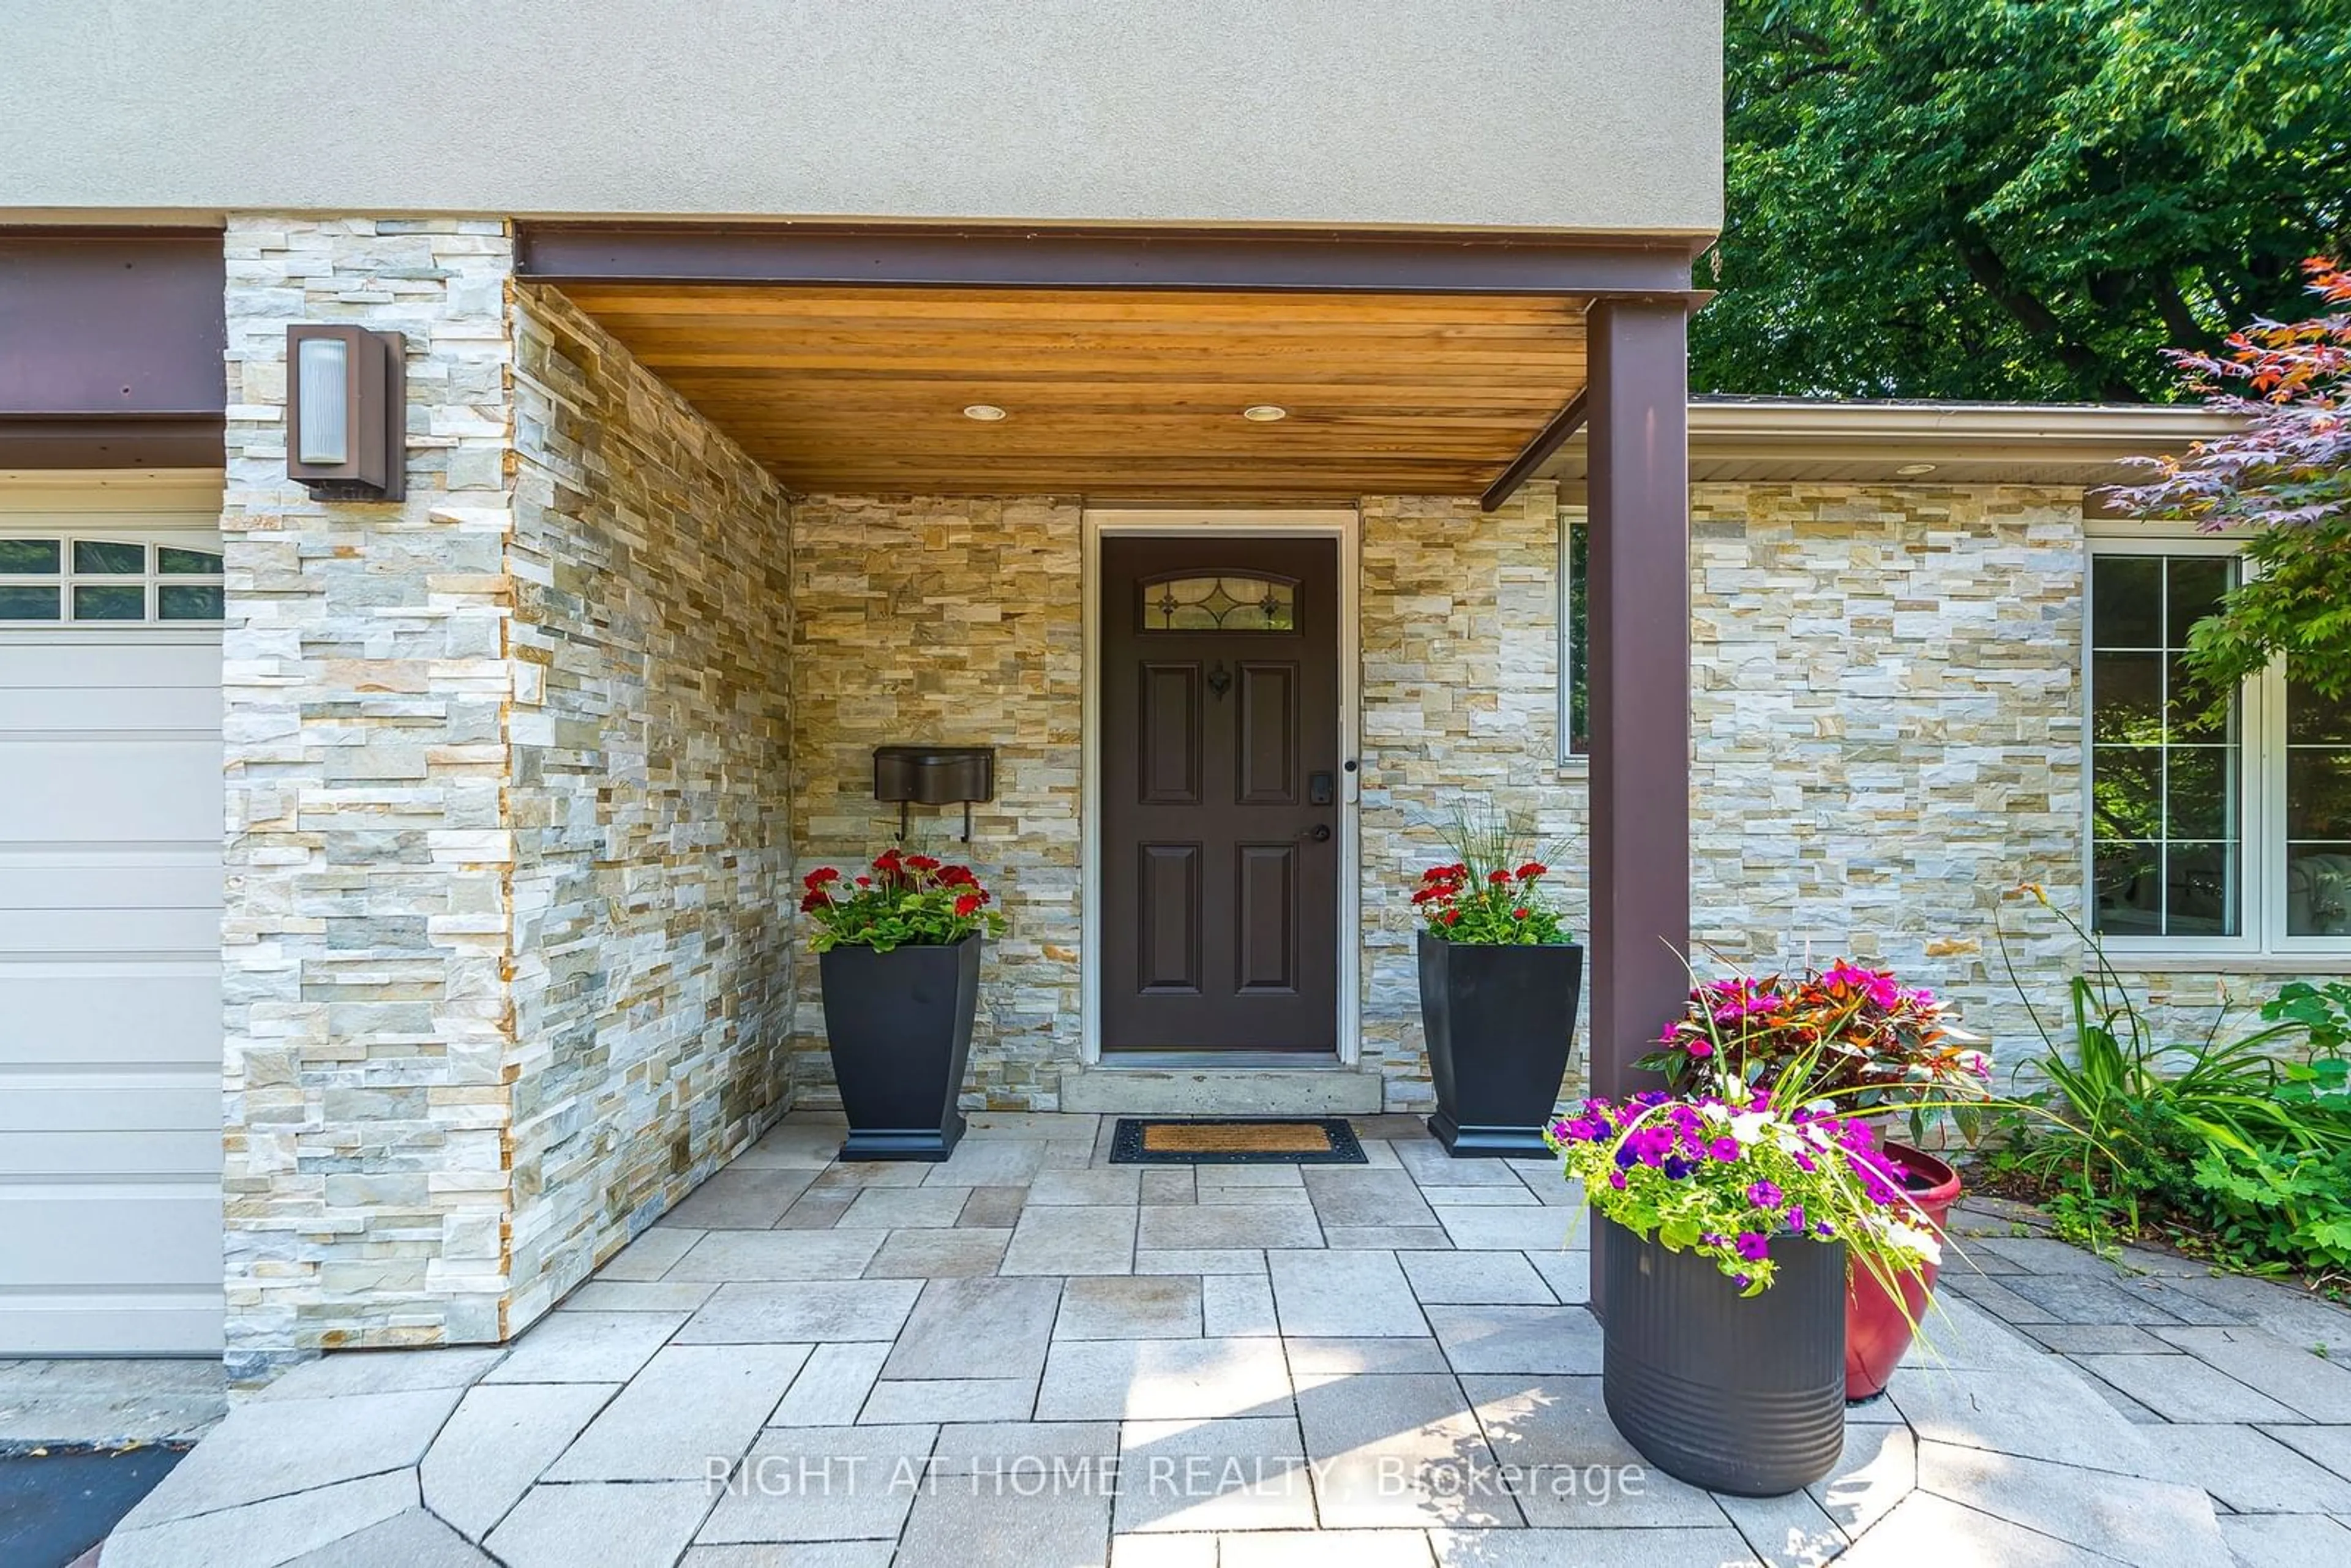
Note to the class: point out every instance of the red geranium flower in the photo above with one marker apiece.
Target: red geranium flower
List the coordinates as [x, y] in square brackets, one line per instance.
[1518, 913]
[1532, 870]
[865, 881]
[1498, 876]
[968, 905]
[923, 863]
[815, 900]
[1452, 917]
[819, 877]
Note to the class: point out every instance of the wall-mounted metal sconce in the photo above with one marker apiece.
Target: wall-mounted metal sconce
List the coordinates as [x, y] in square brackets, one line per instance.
[347, 412]
[934, 776]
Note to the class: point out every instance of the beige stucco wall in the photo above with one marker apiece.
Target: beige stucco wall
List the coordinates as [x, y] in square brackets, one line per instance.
[1564, 114]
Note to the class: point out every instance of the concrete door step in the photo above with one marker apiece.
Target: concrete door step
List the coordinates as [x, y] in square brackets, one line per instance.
[1325, 1090]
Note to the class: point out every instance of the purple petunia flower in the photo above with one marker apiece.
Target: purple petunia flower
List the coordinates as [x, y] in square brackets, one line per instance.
[1724, 1149]
[1676, 1167]
[1753, 1247]
[1795, 1216]
[1765, 1195]
[1616, 1180]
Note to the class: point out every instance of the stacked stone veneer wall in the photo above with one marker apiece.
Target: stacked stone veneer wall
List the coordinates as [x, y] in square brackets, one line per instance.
[950, 623]
[651, 754]
[1886, 730]
[960, 623]
[365, 936]
[504, 970]
[1460, 708]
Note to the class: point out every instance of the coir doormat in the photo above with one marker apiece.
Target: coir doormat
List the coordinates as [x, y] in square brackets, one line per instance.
[1235, 1141]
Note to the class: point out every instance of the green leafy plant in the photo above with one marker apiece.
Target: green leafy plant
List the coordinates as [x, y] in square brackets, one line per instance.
[2012, 201]
[2242, 1143]
[906, 901]
[1490, 894]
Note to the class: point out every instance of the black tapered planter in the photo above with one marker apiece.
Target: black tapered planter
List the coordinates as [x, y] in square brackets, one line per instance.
[1500, 1022]
[1742, 1396]
[899, 1027]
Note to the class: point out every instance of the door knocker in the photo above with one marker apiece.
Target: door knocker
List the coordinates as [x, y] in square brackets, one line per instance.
[1220, 680]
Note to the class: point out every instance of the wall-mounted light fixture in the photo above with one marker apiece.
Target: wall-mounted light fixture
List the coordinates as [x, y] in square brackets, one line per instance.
[347, 412]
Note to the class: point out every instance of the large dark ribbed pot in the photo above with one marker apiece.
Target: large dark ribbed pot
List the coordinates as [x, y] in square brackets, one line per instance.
[899, 1027]
[1731, 1395]
[1500, 1023]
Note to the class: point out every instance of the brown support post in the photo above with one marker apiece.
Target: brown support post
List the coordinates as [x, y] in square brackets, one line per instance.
[1639, 513]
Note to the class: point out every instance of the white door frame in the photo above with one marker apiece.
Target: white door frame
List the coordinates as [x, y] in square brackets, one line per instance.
[1339, 524]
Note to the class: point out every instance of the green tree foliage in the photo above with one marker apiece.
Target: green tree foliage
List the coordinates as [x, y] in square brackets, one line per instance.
[2017, 199]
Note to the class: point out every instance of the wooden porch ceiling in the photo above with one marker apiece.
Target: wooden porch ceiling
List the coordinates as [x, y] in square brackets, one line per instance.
[1119, 393]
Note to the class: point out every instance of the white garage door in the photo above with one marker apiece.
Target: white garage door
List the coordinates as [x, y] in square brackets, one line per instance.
[110, 825]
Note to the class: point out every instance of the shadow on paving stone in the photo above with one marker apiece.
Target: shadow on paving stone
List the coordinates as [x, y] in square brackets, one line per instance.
[57, 1505]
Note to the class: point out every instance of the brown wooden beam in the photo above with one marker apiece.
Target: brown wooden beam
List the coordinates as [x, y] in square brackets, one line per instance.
[1002, 256]
[1538, 452]
[112, 323]
[112, 441]
[1640, 669]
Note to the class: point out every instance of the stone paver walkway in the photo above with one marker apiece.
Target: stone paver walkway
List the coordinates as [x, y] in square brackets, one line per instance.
[1028, 1356]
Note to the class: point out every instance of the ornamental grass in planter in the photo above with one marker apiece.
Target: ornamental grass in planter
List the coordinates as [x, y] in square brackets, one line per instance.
[1871, 1049]
[1500, 981]
[1722, 1298]
[898, 958]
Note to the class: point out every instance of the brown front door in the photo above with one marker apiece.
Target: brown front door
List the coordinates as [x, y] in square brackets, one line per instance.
[1219, 705]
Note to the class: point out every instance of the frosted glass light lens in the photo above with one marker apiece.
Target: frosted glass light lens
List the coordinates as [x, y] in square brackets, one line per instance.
[326, 392]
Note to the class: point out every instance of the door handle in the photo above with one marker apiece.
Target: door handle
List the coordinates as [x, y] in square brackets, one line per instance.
[1320, 834]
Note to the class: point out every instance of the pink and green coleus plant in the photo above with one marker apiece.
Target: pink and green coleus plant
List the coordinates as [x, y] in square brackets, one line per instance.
[1725, 1177]
[1868, 1044]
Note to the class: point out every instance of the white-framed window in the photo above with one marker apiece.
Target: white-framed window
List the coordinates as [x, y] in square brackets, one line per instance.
[2213, 826]
[51, 579]
[1574, 637]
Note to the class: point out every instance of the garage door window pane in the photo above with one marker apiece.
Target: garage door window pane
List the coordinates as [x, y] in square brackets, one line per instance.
[28, 557]
[173, 562]
[28, 604]
[188, 602]
[109, 556]
[110, 603]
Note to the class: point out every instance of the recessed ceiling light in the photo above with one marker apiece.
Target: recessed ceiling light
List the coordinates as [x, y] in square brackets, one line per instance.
[987, 413]
[1265, 412]
[1912, 469]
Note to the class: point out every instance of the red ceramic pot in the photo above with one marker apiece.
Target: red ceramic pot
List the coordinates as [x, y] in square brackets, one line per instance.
[1876, 1329]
